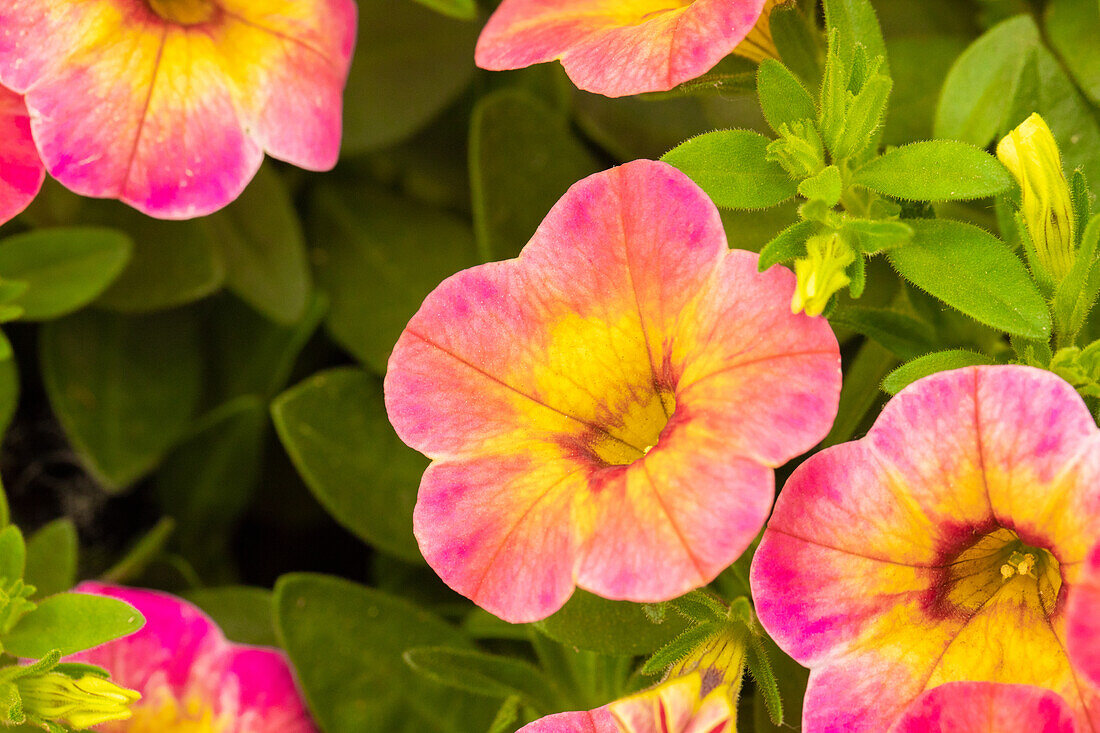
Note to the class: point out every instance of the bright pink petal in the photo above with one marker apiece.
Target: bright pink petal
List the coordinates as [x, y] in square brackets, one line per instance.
[21, 170]
[1083, 622]
[595, 721]
[617, 47]
[177, 638]
[863, 572]
[983, 707]
[552, 391]
[269, 698]
[185, 669]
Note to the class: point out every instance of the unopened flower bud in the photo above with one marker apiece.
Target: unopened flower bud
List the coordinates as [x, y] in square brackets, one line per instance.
[821, 273]
[81, 702]
[1031, 156]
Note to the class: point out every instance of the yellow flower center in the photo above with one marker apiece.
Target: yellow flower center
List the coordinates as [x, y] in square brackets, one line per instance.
[161, 712]
[643, 423]
[996, 560]
[184, 12]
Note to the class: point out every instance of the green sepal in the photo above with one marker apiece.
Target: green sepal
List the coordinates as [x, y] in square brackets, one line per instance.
[675, 650]
[789, 244]
[699, 606]
[826, 186]
[863, 118]
[1078, 291]
[1081, 197]
[760, 667]
[857, 275]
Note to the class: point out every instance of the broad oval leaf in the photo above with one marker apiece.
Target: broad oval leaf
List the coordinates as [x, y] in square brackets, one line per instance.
[409, 64]
[1073, 27]
[935, 170]
[347, 641]
[609, 627]
[783, 99]
[486, 674]
[52, 557]
[730, 165]
[124, 387]
[523, 157]
[335, 430]
[71, 622]
[941, 361]
[377, 256]
[64, 268]
[973, 272]
[264, 249]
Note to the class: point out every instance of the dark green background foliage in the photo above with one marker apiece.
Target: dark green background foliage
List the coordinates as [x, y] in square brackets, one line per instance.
[197, 406]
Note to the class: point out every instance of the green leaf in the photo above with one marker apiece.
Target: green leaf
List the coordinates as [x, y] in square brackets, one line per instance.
[253, 355]
[334, 429]
[859, 391]
[52, 557]
[791, 679]
[405, 248]
[941, 361]
[123, 387]
[64, 269]
[760, 667]
[980, 92]
[347, 642]
[264, 249]
[730, 165]
[246, 615]
[788, 245]
[875, 235]
[486, 674]
[1073, 27]
[523, 157]
[173, 262]
[608, 627]
[13, 553]
[461, 9]
[856, 23]
[783, 99]
[902, 334]
[973, 272]
[9, 392]
[71, 622]
[409, 64]
[796, 38]
[208, 479]
[935, 170]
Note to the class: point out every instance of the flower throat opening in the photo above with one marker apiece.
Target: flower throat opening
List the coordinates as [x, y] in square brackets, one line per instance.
[184, 12]
[636, 434]
[1000, 561]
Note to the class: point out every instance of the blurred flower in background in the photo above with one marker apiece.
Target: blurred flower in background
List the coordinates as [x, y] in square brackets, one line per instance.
[21, 171]
[192, 679]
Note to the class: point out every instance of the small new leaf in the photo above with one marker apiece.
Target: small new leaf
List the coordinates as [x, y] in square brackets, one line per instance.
[825, 186]
[788, 245]
[783, 99]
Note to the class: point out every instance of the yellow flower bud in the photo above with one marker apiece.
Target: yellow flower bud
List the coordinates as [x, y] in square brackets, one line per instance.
[1031, 156]
[821, 273]
[82, 702]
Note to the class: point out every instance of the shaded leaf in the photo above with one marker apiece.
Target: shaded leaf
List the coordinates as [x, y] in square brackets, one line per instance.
[52, 557]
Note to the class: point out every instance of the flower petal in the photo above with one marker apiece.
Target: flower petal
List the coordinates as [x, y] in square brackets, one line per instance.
[269, 698]
[617, 47]
[596, 721]
[21, 170]
[1083, 620]
[983, 707]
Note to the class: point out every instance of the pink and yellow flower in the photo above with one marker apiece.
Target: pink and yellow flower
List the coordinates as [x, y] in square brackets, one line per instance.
[21, 170]
[986, 707]
[605, 410]
[941, 547]
[169, 105]
[680, 705]
[622, 47]
[1084, 619]
[191, 679]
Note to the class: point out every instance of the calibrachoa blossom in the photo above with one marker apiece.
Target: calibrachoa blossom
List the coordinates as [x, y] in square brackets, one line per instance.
[986, 707]
[21, 170]
[191, 679]
[941, 547]
[605, 410]
[680, 705]
[1084, 619]
[623, 47]
[169, 105]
